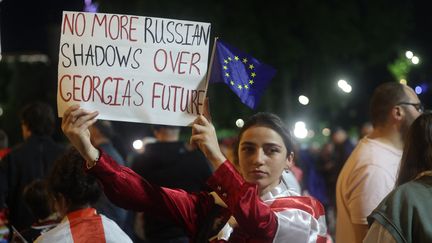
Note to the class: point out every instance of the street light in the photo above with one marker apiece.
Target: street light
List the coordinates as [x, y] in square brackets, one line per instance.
[138, 144]
[344, 86]
[303, 100]
[239, 123]
[415, 60]
[409, 54]
[300, 130]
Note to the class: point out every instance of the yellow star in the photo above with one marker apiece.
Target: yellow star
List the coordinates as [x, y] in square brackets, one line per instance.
[225, 61]
[239, 86]
[229, 58]
[251, 81]
[253, 75]
[227, 74]
[246, 86]
[232, 83]
[245, 60]
[251, 66]
[236, 58]
[225, 67]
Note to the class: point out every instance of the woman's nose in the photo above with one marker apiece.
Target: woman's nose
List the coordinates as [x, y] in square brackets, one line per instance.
[259, 157]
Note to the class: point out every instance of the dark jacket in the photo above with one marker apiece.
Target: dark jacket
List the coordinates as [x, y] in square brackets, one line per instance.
[28, 161]
[171, 165]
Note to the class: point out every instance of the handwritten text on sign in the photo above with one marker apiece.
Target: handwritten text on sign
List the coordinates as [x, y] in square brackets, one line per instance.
[132, 68]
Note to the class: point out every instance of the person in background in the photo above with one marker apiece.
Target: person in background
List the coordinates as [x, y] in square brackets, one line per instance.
[370, 172]
[33, 159]
[169, 162]
[41, 203]
[332, 158]
[254, 204]
[366, 129]
[4, 143]
[405, 215]
[102, 133]
[4, 230]
[74, 191]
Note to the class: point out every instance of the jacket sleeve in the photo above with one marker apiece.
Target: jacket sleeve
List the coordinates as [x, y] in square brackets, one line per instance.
[129, 190]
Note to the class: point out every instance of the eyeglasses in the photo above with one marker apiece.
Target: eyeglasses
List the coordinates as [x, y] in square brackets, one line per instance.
[418, 106]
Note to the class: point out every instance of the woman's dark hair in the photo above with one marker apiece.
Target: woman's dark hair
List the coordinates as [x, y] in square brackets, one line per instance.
[417, 154]
[39, 118]
[38, 199]
[69, 180]
[269, 120]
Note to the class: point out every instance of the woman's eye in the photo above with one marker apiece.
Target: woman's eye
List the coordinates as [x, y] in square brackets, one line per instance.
[246, 149]
[272, 150]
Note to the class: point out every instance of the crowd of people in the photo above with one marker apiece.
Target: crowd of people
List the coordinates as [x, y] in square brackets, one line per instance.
[250, 190]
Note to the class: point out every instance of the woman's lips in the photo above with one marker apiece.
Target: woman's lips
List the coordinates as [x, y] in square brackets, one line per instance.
[258, 173]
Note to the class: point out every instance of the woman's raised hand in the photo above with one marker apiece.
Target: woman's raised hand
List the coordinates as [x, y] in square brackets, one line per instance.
[204, 136]
[75, 124]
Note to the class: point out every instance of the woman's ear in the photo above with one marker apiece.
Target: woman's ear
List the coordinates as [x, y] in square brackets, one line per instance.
[290, 161]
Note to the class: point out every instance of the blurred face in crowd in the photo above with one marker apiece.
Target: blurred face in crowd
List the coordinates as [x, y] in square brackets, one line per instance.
[26, 133]
[263, 157]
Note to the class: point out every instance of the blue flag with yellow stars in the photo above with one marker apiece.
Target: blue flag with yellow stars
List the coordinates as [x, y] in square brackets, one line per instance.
[245, 75]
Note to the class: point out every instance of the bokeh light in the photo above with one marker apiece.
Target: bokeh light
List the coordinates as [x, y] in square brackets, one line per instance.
[239, 123]
[409, 54]
[137, 144]
[300, 130]
[303, 100]
[344, 86]
[326, 132]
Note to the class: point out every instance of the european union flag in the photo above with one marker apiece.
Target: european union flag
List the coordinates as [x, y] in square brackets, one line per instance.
[245, 75]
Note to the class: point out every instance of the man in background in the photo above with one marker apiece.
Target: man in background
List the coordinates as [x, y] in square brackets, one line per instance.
[370, 172]
[170, 163]
[30, 160]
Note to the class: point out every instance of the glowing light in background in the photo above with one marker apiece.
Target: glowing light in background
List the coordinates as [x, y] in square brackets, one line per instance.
[239, 123]
[409, 54]
[137, 144]
[90, 7]
[344, 86]
[1, 111]
[418, 90]
[300, 130]
[303, 100]
[415, 60]
[326, 132]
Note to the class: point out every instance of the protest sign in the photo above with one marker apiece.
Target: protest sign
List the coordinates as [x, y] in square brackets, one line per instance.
[132, 68]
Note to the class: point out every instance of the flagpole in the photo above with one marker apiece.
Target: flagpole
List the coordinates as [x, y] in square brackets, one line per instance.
[210, 68]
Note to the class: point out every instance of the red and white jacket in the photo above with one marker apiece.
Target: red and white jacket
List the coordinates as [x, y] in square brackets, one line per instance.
[85, 225]
[279, 216]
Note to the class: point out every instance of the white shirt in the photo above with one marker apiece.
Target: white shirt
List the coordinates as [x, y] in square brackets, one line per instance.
[366, 178]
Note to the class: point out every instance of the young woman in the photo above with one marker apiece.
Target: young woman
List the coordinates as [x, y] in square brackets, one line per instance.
[405, 215]
[253, 205]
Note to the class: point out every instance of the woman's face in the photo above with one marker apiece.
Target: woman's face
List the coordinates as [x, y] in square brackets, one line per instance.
[262, 157]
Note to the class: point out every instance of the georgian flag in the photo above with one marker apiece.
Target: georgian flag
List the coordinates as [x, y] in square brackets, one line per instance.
[85, 225]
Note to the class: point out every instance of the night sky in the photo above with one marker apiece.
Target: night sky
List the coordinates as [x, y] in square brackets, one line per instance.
[311, 44]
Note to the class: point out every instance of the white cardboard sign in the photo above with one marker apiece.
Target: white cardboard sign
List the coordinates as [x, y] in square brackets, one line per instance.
[132, 68]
